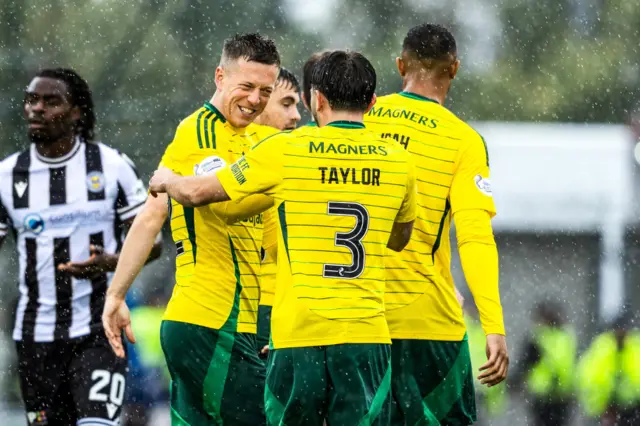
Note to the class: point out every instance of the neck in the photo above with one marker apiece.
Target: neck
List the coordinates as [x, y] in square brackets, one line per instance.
[429, 87]
[331, 116]
[56, 149]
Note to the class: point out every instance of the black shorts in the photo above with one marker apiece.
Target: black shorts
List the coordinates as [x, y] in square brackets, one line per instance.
[68, 382]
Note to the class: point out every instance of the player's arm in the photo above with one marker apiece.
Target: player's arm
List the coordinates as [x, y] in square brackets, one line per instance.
[257, 172]
[472, 208]
[136, 251]
[403, 225]
[232, 211]
[235, 211]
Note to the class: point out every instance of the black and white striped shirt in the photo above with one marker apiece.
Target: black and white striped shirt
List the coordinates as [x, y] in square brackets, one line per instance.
[57, 208]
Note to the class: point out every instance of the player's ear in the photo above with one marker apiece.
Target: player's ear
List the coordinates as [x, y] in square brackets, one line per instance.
[320, 100]
[401, 66]
[374, 98]
[219, 77]
[453, 70]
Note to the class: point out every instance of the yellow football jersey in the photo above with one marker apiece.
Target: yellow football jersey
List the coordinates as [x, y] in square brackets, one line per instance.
[452, 169]
[218, 262]
[338, 190]
[269, 237]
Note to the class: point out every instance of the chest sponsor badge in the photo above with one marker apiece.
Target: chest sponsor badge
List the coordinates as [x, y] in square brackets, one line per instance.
[483, 185]
[208, 166]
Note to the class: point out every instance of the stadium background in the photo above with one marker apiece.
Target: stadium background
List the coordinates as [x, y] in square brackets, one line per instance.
[567, 228]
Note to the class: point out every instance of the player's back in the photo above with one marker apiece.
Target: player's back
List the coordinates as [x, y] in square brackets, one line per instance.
[217, 263]
[342, 190]
[421, 301]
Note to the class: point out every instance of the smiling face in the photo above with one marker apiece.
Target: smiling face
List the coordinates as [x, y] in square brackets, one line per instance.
[47, 109]
[282, 110]
[244, 88]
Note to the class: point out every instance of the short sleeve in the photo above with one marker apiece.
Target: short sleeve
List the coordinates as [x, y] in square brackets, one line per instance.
[471, 185]
[5, 220]
[408, 209]
[258, 172]
[132, 193]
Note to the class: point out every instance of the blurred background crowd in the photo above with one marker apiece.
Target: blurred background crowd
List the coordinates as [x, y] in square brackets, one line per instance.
[552, 85]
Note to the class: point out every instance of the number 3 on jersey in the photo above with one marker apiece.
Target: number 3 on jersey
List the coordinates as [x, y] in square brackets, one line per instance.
[351, 240]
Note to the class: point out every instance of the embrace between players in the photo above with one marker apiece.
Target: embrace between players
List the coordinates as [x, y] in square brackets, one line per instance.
[365, 326]
[324, 248]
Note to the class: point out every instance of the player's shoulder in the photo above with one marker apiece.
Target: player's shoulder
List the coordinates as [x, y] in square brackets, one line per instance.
[468, 136]
[391, 98]
[9, 162]
[260, 131]
[191, 122]
[200, 129]
[276, 139]
[112, 158]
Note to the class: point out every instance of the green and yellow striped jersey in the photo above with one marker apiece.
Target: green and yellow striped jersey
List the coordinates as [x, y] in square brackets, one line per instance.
[338, 190]
[217, 263]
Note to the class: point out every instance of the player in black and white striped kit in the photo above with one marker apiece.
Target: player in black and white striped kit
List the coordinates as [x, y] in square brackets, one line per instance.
[67, 200]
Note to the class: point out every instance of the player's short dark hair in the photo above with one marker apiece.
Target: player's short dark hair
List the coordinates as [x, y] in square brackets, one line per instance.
[307, 69]
[429, 42]
[80, 96]
[252, 47]
[347, 79]
[286, 77]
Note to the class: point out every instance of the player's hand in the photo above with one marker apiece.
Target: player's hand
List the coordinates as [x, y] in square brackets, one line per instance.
[264, 350]
[495, 369]
[115, 317]
[158, 182]
[98, 263]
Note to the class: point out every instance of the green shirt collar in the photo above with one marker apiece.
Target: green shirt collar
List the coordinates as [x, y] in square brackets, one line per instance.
[215, 110]
[345, 124]
[417, 97]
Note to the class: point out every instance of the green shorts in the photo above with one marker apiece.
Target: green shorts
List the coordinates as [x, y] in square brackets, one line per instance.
[216, 376]
[432, 383]
[345, 384]
[264, 326]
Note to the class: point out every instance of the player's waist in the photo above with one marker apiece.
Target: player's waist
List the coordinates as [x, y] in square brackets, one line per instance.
[316, 331]
[427, 318]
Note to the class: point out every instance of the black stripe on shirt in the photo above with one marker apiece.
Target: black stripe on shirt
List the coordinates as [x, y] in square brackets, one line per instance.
[21, 180]
[64, 292]
[57, 186]
[33, 292]
[93, 162]
[98, 286]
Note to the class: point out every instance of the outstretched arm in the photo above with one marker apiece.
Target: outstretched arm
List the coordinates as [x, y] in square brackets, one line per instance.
[135, 253]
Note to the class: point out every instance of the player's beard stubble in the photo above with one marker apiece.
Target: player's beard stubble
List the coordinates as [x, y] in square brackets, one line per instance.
[51, 131]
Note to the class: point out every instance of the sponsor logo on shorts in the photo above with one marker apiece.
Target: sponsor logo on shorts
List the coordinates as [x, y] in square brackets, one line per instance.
[483, 185]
